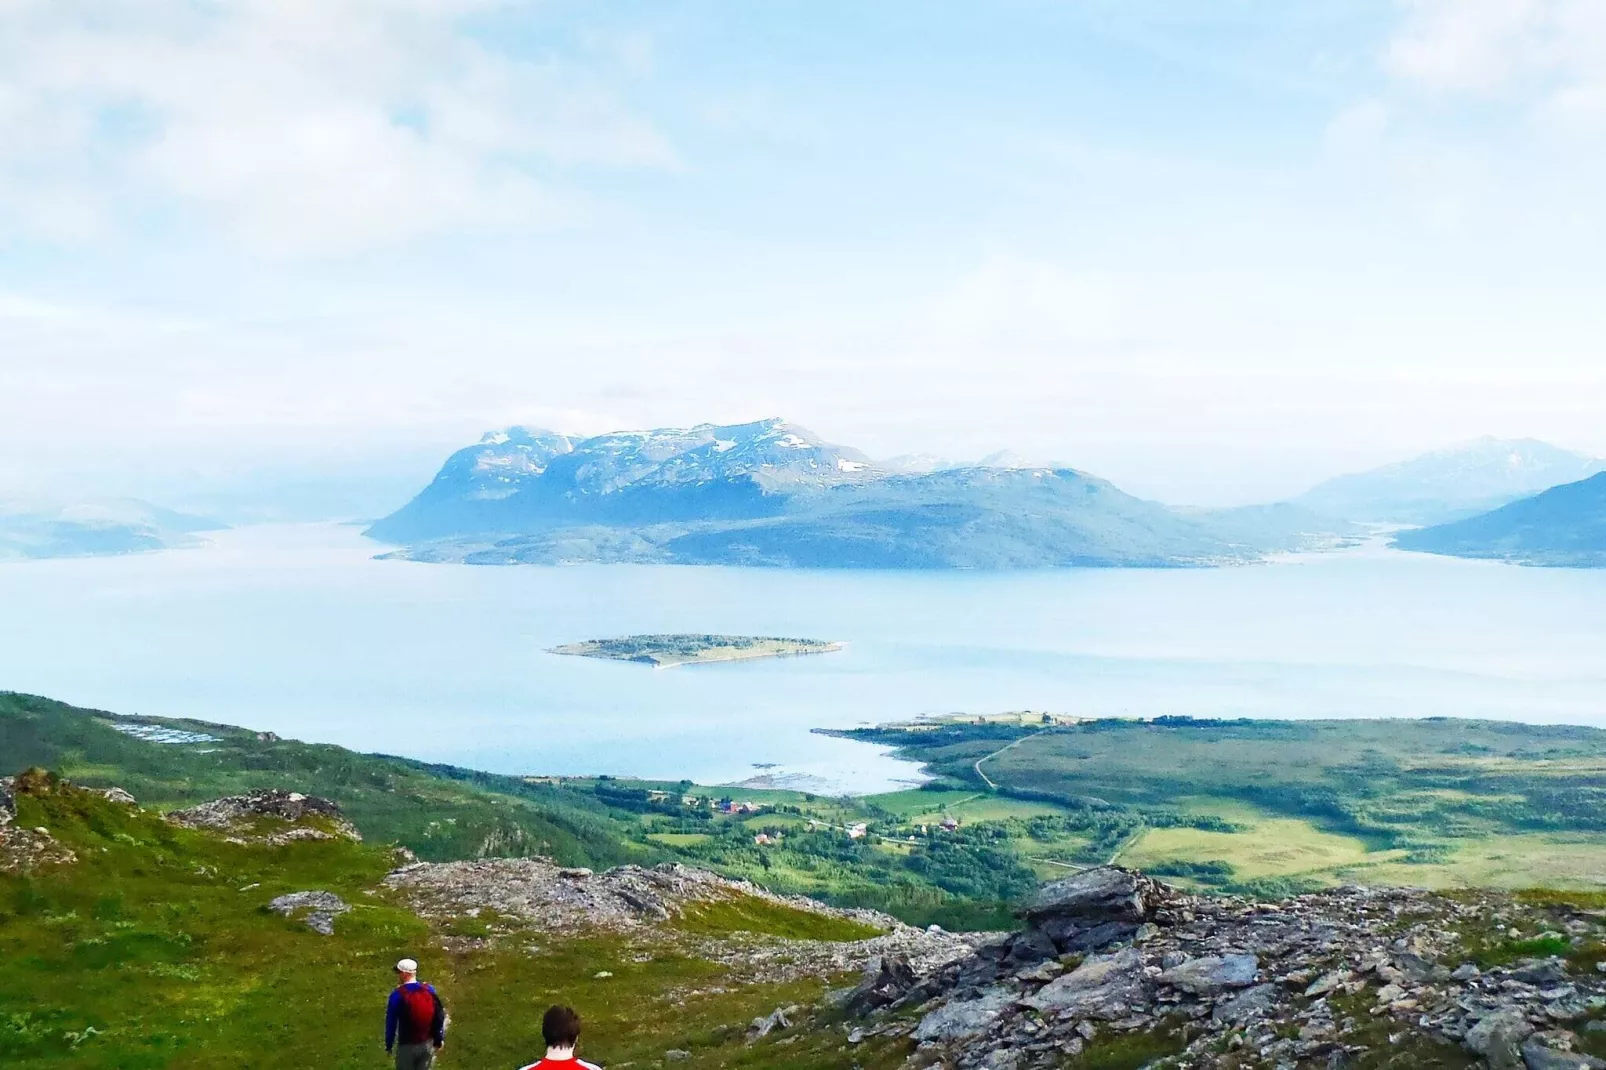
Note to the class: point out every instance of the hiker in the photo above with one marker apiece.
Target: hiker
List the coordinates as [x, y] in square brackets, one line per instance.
[560, 1028]
[415, 1020]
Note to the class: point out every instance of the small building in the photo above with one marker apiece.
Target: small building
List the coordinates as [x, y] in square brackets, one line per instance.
[949, 824]
[857, 832]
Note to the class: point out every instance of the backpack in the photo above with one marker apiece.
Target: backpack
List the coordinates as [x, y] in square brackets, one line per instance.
[419, 1005]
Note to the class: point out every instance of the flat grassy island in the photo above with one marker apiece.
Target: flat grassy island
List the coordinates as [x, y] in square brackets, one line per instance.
[665, 651]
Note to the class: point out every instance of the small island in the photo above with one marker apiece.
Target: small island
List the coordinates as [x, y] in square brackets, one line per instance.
[666, 651]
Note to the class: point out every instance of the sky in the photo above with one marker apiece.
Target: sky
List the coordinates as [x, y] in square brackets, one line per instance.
[1212, 251]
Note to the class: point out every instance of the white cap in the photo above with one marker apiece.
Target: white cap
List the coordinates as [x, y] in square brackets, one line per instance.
[407, 966]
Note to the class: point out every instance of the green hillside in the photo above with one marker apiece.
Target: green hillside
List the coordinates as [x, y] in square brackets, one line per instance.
[156, 949]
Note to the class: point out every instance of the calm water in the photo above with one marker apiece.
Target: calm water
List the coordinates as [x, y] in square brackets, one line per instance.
[297, 630]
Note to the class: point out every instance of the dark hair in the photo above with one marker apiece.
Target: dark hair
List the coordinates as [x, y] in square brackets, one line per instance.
[561, 1027]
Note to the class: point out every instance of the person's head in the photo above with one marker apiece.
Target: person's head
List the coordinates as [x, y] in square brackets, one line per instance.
[406, 971]
[560, 1028]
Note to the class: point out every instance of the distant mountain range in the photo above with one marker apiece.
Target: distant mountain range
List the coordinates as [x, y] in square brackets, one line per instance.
[31, 530]
[1564, 525]
[772, 493]
[1450, 484]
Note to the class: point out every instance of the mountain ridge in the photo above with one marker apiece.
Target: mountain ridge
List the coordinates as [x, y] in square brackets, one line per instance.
[772, 493]
[94, 527]
[1563, 526]
[1450, 483]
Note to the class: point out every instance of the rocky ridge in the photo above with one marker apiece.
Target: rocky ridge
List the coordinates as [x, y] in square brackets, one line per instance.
[536, 896]
[239, 817]
[1348, 977]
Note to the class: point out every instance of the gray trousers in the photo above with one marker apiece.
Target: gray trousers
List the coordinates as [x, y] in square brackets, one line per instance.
[415, 1056]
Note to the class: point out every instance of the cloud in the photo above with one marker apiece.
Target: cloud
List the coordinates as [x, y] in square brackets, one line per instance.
[1010, 296]
[296, 125]
[1493, 48]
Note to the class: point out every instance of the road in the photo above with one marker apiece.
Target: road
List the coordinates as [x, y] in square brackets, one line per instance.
[985, 779]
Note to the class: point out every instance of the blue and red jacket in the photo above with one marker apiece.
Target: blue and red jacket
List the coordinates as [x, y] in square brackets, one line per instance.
[415, 1015]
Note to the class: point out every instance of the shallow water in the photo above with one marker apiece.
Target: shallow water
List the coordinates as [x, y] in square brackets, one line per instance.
[296, 629]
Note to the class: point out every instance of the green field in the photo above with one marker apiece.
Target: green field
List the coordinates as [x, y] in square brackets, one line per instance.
[1272, 805]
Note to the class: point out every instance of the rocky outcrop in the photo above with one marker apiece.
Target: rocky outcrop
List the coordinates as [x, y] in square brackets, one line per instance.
[239, 817]
[536, 896]
[23, 850]
[1321, 980]
[317, 909]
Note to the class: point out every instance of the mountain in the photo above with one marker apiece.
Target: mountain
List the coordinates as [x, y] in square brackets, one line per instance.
[772, 493]
[1451, 484]
[105, 526]
[521, 479]
[1565, 525]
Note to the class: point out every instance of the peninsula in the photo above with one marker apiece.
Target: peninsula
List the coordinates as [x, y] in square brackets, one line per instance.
[665, 651]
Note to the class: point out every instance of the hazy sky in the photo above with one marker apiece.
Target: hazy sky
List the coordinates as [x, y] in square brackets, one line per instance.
[1211, 250]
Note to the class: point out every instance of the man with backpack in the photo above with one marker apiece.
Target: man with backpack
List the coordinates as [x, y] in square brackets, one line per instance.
[561, 1031]
[415, 1020]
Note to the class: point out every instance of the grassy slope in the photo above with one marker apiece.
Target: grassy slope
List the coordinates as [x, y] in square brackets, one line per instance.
[440, 812]
[155, 950]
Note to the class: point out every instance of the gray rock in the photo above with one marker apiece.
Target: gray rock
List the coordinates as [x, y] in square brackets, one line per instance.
[1242, 1006]
[764, 1026]
[319, 909]
[1106, 893]
[1078, 936]
[1326, 983]
[8, 800]
[964, 1018]
[1030, 947]
[1498, 1038]
[1102, 987]
[1211, 974]
[885, 982]
[1538, 1057]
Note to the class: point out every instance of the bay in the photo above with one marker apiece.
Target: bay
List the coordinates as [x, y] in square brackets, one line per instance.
[298, 630]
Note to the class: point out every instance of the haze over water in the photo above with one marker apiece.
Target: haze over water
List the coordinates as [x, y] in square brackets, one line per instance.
[297, 630]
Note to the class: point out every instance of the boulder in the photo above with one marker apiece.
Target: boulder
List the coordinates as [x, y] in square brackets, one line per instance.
[1108, 893]
[1102, 987]
[1498, 1038]
[1030, 947]
[964, 1018]
[1213, 973]
[1240, 1007]
[767, 1024]
[1535, 1056]
[318, 909]
[8, 800]
[886, 981]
